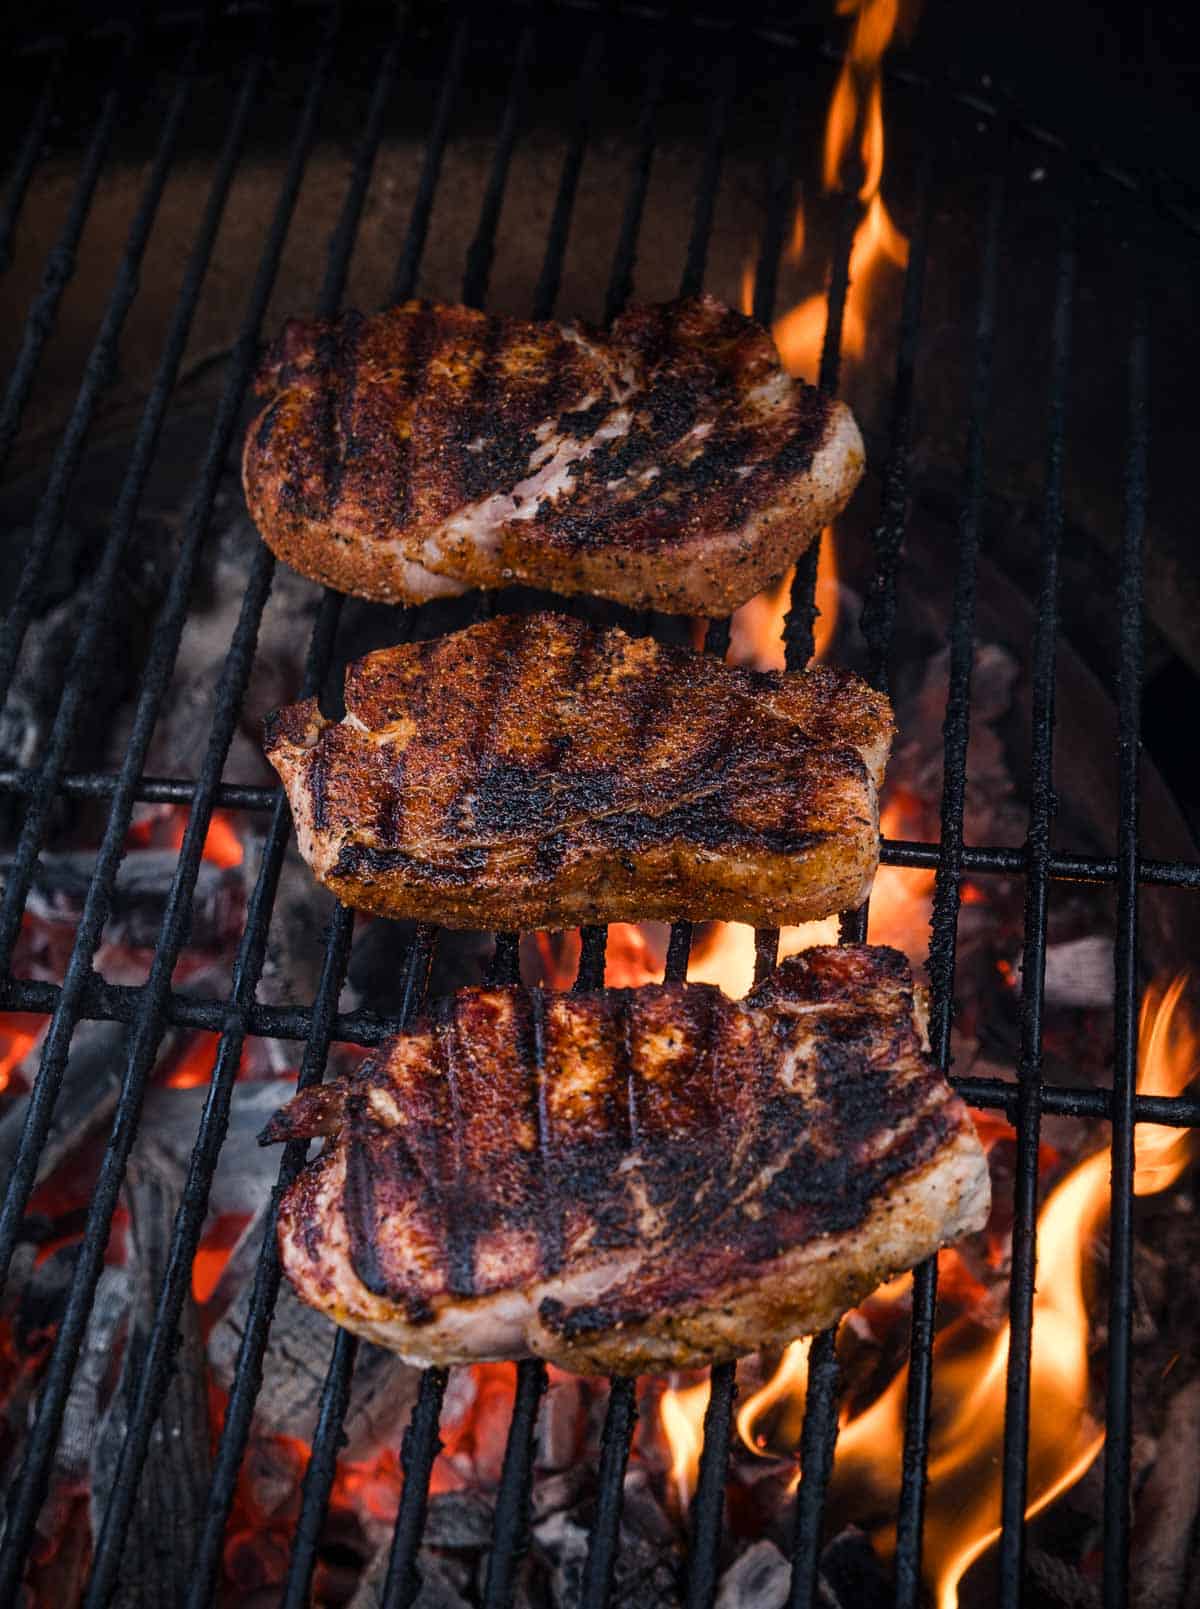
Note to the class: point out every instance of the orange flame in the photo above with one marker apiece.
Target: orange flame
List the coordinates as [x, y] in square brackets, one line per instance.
[681, 1414]
[967, 1431]
[786, 1387]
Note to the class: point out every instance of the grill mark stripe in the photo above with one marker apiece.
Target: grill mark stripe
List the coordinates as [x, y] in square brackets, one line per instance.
[343, 383]
[423, 330]
[623, 1059]
[551, 1232]
[460, 1232]
[358, 1195]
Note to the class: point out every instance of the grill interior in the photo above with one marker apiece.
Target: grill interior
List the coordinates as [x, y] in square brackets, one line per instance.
[321, 87]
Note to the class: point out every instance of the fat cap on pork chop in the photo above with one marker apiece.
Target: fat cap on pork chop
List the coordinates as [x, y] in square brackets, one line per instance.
[669, 463]
[532, 771]
[632, 1180]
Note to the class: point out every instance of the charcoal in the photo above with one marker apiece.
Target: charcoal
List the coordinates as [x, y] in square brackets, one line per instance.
[1167, 1506]
[33, 701]
[185, 725]
[375, 976]
[174, 1481]
[245, 1171]
[560, 1423]
[89, 1388]
[458, 1521]
[1079, 972]
[1061, 1583]
[296, 937]
[443, 1582]
[91, 1079]
[139, 898]
[852, 1576]
[760, 1579]
[297, 1358]
[43, 1288]
[646, 1566]
[562, 1490]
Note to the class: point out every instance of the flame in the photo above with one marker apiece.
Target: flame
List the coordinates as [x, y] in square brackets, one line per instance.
[681, 1414]
[853, 130]
[786, 1386]
[902, 896]
[967, 1420]
[629, 960]
[756, 629]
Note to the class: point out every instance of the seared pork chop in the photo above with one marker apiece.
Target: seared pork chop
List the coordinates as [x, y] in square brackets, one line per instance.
[532, 771]
[671, 463]
[632, 1180]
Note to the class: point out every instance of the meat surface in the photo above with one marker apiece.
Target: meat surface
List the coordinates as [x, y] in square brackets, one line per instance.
[632, 1180]
[532, 771]
[670, 463]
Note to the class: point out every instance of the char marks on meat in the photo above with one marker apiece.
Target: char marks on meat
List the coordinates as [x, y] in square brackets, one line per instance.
[632, 1180]
[532, 771]
[670, 463]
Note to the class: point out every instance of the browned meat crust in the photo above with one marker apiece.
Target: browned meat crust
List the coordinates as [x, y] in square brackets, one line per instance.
[671, 463]
[532, 771]
[636, 1179]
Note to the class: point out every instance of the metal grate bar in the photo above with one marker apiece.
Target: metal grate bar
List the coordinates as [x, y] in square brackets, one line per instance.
[48, 522]
[418, 1450]
[819, 1435]
[322, 1467]
[418, 224]
[817, 1442]
[987, 859]
[247, 1378]
[155, 1371]
[779, 205]
[1037, 889]
[27, 158]
[620, 1422]
[510, 1525]
[944, 923]
[483, 247]
[620, 284]
[706, 1517]
[335, 1395]
[154, 683]
[149, 1025]
[725, 83]
[61, 263]
[1118, 1445]
[546, 293]
[100, 364]
[621, 1416]
[879, 602]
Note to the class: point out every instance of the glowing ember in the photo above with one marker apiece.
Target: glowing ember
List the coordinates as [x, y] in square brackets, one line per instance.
[17, 1038]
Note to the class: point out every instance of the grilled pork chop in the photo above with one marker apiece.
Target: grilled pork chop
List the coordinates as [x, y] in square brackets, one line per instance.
[671, 463]
[633, 1180]
[532, 771]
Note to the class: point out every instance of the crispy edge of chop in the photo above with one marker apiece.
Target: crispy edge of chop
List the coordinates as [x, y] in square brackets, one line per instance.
[787, 834]
[690, 1307]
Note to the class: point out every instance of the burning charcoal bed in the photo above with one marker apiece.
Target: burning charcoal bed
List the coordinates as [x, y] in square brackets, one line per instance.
[1014, 1422]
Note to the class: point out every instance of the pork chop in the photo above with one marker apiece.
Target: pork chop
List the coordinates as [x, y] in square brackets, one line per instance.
[632, 1180]
[669, 463]
[532, 771]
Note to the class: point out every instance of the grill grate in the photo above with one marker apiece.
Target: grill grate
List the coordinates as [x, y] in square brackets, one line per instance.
[151, 1009]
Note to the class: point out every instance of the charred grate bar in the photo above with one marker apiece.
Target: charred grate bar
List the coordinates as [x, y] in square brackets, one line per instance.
[151, 1009]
